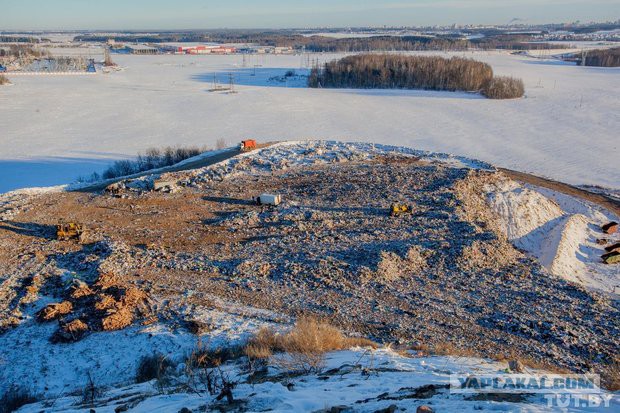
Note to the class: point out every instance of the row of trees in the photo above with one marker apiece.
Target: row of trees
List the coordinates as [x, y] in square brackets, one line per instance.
[504, 87]
[152, 159]
[21, 39]
[602, 58]
[333, 44]
[389, 71]
[21, 51]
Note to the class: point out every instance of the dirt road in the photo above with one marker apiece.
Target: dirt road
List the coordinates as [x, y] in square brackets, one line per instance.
[605, 201]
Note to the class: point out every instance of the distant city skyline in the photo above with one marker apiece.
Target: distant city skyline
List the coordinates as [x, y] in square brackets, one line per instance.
[208, 14]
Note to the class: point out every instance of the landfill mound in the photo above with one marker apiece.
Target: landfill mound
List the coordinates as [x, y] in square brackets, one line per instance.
[443, 273]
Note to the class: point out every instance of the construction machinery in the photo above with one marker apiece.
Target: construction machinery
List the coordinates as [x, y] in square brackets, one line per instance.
[247, 145]
[611, 258]
[398, 209]
[69, 230]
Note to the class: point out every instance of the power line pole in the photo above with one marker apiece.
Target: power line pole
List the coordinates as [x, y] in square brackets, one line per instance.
[231, 83]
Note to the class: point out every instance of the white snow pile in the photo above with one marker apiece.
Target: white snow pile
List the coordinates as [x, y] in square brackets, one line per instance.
[357, 380]
[557, 229]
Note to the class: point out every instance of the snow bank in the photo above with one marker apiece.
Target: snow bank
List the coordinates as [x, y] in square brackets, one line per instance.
[524, 211]
[557, 229]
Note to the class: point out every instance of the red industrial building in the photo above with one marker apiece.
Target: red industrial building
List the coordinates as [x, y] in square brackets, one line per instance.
[206, 49]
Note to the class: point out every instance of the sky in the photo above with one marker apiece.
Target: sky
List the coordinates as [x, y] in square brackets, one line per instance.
[209, 14]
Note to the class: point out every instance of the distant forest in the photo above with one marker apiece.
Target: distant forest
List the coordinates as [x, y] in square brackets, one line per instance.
[332, 44]
[20, 39]
[388, 71]
[602, 58]
[15, 51]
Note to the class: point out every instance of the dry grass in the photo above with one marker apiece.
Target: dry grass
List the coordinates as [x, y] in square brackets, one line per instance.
[16, 397]
[155, 366]
[610, 378]
[206, 357]
[203, 372]
[503, 87]
[221, 143]
[4, 80]
[449, 349]
[304, 347]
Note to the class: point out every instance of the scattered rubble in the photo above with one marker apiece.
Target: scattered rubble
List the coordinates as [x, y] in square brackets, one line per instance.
[55, 311]
[446, 273]
[106, 305]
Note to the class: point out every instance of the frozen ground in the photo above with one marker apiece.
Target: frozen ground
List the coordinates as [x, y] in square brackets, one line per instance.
[56, 128]
[363, 381]
[535, 219]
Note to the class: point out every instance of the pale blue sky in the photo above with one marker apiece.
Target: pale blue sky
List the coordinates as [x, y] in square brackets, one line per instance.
[203, 14]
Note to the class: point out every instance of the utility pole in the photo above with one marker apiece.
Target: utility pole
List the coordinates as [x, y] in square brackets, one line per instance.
[231, 81]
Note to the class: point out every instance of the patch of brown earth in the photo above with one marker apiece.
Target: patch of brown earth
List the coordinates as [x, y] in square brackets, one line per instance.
[54, 311]
[105, 305]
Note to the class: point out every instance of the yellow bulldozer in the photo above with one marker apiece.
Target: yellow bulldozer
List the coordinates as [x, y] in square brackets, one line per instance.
[69, 230]
[398, 209]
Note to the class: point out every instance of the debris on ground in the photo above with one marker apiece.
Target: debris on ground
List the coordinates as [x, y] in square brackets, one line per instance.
[447, 274]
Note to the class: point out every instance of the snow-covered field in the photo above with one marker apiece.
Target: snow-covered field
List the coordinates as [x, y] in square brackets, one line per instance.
[57, 128]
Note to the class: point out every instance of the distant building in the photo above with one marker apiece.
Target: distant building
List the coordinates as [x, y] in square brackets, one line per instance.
[282, 50]
[210, 49]
[141, 49]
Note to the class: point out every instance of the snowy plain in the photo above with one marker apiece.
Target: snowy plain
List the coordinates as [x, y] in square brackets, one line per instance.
[54, 129]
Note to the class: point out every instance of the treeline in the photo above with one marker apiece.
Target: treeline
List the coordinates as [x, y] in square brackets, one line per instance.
[382, 43]
[17, 51]
[153, 158]
[601, 58]
[515, 42]
[20, 39]
[332, 44]
[388, 71]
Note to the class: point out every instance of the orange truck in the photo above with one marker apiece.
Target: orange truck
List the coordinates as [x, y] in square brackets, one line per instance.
[247, 145]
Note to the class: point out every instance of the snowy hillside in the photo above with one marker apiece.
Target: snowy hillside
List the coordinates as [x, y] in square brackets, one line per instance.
[203, 253]
[57, 128]
[354, 381]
